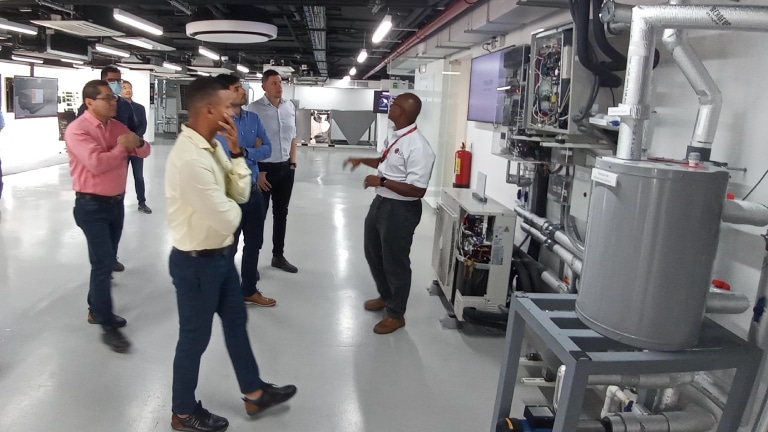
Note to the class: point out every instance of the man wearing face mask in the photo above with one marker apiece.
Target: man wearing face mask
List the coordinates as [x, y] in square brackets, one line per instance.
[137, 164]
[124, 114]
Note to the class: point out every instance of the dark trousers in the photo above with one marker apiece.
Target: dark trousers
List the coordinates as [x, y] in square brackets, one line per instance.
[1, 179]
[389, 229]
[281, 177]
[205, 286]
[137, 165]
[102, 224]
[252, 228]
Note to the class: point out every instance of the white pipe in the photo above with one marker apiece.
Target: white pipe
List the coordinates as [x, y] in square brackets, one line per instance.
[725, 302]
[643, 381]
[550, 230]
[550, 278]
[710, 98]
[635, 108]
[567, 256]
[745, 213]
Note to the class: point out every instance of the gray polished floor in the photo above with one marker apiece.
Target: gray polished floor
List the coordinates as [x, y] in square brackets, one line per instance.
[55, 374]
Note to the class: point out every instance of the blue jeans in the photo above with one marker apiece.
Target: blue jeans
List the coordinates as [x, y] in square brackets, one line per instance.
[252, 227]
[102, 224]
[137, 164]
[205, 286]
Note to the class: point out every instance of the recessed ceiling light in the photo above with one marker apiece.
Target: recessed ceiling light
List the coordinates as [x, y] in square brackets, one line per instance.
[111, 50]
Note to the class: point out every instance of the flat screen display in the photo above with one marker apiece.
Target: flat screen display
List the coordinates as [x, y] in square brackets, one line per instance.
[35, 97]
[381, 101]
[487, 75]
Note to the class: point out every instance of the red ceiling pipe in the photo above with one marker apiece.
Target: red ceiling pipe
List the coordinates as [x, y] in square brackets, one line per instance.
[448, 14]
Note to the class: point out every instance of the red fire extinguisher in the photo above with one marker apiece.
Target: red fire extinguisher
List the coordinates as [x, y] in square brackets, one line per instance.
[463, 168]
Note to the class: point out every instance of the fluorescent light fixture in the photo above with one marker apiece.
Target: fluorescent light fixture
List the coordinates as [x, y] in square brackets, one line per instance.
[243, 68]
[137, 42]
[25, 59]
[346, 78]
[259, 75]
[134, 21]
[503, 88]
[208, 53]
[352, 71]
[81, 66]
[382, 29]
[451, 73]
[172, 66]
[362, 56]
[111, 50]
[201, 73]
[21, 28]
[73, 61]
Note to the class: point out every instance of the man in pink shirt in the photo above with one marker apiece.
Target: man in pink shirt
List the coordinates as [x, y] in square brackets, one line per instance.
[98, 148]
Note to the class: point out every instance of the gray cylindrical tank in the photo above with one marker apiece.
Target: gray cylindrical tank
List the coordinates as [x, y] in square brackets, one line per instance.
[650, 246]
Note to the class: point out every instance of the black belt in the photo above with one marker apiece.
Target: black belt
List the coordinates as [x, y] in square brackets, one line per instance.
[99, 198]
[204, 253]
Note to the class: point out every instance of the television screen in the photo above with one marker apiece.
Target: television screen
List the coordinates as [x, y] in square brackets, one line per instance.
[35, 97]
[381, 101]
[487, 75]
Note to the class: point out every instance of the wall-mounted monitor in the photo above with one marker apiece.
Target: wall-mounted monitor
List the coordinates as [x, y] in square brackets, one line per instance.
[35, 97]
[381, 101]
[486, 76]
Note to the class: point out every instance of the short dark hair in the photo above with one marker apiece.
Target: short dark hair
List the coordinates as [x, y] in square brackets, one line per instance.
[228, 79]
[106, 71]
[269, 74]
[92, 89]
[203, 90]
[127, 82]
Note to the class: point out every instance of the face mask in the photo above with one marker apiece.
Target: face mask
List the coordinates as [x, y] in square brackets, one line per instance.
[116, 87]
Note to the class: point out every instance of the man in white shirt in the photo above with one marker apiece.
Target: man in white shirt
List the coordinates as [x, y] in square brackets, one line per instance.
[404, 170]
[203, 188]
[276, 173]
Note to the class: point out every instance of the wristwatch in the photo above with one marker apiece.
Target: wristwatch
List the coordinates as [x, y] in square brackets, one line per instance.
[383, 181]
[292, 164]
[237, 155]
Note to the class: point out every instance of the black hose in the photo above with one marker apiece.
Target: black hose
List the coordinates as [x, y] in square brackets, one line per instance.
[607, 79]
[486, 319]
[618, 60]
[534, 272]
[524, 282]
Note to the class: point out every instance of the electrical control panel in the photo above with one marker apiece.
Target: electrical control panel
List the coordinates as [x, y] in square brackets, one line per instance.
[561, 93]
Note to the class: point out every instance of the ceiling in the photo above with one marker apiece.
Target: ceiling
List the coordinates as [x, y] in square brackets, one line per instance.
[349, 26]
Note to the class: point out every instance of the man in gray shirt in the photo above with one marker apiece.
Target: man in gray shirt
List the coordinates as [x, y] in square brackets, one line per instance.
[276, 174]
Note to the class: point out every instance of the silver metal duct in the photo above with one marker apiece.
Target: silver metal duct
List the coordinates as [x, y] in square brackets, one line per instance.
[724, 302]
[635, 108]
[745, 213]
[550, 229]
[694, 420]
[710, 98]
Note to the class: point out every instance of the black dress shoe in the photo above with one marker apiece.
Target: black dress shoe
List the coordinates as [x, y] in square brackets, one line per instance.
[145, 209]
[199, 421]
[118, 267]
[118, 321]
[114, 339]
[283, 264]
[273, 395]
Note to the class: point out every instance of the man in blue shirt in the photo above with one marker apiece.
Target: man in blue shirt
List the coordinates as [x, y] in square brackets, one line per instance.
[137, 163]
[256, 147]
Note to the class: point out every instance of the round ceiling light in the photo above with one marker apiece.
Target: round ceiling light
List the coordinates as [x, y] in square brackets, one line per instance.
[241, 25]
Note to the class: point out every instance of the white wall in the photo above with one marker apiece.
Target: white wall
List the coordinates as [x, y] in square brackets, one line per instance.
[25, 141]
[429, 87]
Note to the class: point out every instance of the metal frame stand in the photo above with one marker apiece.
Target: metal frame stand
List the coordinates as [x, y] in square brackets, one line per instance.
[585, 352]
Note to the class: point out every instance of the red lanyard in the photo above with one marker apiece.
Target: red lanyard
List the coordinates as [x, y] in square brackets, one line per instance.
[386, 152]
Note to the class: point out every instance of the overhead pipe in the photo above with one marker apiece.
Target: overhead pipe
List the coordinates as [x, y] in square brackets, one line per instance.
[710, 98]
[451, 12]
[550, 229]
[567, 256]
[635, 108]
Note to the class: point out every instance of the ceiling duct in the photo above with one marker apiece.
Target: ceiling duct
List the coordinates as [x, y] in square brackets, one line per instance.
[241, 25]
[315, 16]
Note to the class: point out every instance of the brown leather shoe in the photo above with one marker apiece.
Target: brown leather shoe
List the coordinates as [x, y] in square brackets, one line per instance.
[388, 325]
[259, 300]
[376, 304]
